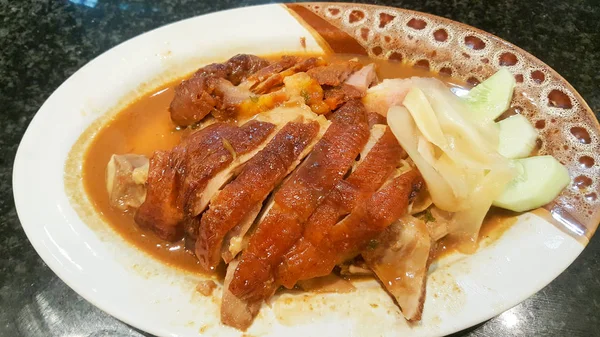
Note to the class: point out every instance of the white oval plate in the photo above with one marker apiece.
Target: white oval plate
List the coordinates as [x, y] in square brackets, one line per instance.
[99, 265]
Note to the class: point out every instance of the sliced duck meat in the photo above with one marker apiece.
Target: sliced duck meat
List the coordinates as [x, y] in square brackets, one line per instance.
[234, 311]
[388, 93]
[263, 74]
[336, 96]
[249, 189]
[353, 233]
[205, 161]
[196, 97]
[193, 100]
[400, 259]
[237, 239]
[334, 74]
[178, 180]
[276, 78]
[126, 177]
[242, 66]
[296, 199]
[363, 78]
[278, 117]
[376, 134]
[382, 156]
[159, 211]
[374, 118]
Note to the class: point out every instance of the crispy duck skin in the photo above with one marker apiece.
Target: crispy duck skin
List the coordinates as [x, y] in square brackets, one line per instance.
[296, 199]
[378, 164]
[177, 178]
[257, 179]
[203, 161]
[284, 63]
[375, 118]
[279, 117]
[159, 212]
[194, 97]
[242, 66]
[352, 234]
[336, 96]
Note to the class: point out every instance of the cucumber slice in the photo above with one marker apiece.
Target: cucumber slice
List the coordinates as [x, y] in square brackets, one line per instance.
[540, 180]
[516, 137]
[492, 97]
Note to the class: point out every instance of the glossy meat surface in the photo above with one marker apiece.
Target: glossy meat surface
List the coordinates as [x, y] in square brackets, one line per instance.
[234, 311]
[177, 178]
[336, 96]
[195, 97]
[257, 179]
[296, 199]
[159, 212]
[347, 196]
[353, 233]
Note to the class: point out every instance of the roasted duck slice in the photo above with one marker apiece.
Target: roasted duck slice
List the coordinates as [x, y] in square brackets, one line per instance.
[377, 132]
[285, 62]
[334, 74]
[379, 158]
[336, 96]
[374, 118]
[363, 78]
[388, 93]
[272, 77]
[178, 178]
[195, 97]
[237, 239]
[400, 259]
[159, 212]
[296, 199]
[353, 233]
[242, 66]
[278, 117]
[249, 189]
[235, 312]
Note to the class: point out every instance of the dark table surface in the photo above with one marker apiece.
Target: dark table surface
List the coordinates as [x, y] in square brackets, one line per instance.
[44, 42]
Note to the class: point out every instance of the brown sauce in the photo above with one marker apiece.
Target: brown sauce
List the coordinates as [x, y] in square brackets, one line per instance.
[145, 126]
[496, 222]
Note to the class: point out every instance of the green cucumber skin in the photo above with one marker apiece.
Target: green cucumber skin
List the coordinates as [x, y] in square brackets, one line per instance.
[492, 97]
[541, 180]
